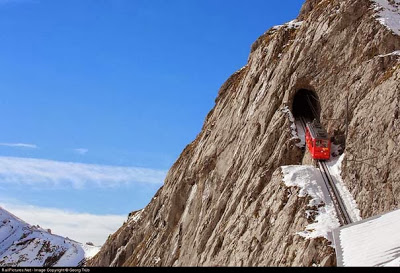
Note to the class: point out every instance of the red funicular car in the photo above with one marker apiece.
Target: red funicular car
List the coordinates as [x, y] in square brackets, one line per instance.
[318, 141]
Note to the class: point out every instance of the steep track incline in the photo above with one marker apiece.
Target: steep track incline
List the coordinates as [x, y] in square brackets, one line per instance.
[343, 215]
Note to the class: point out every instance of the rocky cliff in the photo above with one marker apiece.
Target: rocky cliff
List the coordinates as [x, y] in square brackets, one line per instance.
[223, 201]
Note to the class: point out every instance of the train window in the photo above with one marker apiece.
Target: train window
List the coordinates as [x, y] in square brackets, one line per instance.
[322, 143]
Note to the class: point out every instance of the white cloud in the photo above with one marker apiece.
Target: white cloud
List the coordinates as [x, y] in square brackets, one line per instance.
[40, 172]
[81, 227]
[81, 151]
[19, 145]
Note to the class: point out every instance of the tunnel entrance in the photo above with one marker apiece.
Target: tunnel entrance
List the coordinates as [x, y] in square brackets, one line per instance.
[306, 104]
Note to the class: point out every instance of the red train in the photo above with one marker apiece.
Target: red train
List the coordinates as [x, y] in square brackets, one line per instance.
[318, 141]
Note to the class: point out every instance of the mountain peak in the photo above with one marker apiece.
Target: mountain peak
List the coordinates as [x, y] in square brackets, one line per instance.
[22, 244]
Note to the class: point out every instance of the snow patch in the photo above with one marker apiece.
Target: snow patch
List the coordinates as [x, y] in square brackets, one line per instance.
[310, 182]
[294, 24]
[372, 242]
[394, 53]
[296, 129]
[136, 217]
[388, 14]
[157, 260]
[241, 69]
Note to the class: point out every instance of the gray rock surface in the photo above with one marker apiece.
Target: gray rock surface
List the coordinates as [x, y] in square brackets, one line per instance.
[223, 202]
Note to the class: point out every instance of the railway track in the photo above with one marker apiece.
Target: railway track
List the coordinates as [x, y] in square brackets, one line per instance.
[340, 208]
[303, 122]
[341, 211]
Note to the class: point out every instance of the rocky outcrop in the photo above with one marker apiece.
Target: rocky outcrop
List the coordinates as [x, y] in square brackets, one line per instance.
[223, 201]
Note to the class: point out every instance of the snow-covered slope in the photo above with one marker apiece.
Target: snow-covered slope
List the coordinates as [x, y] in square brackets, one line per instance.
[389, 14]
[372, 242]
[24, 245]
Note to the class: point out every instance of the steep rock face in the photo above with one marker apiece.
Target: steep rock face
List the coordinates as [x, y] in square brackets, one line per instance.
[223, 201]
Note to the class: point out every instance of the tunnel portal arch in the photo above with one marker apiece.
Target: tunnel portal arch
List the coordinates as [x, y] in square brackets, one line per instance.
[306, 104]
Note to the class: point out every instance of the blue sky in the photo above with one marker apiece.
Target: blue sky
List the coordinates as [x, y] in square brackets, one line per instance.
[118, 86]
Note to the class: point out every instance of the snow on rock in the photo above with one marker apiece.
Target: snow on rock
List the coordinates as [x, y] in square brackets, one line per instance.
[90, 250]
[310, 182]
[135, 216]
[388, 14]
[372, 242]
[294, 24]
[24, 245]
[334, 165]
[394, 53]
[296, 128]
[301, 134]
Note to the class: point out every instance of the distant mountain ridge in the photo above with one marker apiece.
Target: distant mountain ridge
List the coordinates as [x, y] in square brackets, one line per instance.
[22, 244]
